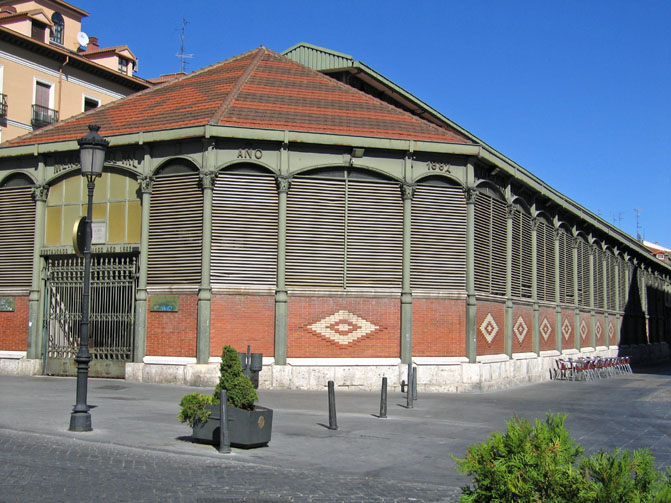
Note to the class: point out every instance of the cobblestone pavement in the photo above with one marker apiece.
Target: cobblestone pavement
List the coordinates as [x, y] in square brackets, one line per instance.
[35, 467]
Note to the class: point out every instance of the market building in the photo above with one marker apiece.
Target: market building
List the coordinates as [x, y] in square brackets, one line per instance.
[322, 215]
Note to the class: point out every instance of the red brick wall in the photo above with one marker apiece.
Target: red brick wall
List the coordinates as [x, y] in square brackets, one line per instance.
[383, 342]
[14, 326]
[550, 315]
[527, 314]
[174, 333]
[497, 346]
[240, 320]
[568, 315]
[438, 327]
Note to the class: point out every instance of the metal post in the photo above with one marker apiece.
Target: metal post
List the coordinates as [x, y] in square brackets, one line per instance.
[414, 383]
[333, 422]
[224, 437]
[409, 389]
[80, 418]
[383, 399]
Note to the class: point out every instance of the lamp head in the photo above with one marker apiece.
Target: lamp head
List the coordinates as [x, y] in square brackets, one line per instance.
[92, 149]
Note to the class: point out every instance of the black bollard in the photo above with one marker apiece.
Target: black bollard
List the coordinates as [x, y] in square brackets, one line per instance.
[224, 437]
[333, 422]
[383, 398]
[414, 383]
[409, 387]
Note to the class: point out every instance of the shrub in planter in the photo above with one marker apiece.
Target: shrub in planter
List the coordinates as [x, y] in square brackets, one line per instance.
[249, 425]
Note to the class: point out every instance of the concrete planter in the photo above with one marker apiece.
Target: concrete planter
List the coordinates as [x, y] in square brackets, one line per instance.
[247, 428]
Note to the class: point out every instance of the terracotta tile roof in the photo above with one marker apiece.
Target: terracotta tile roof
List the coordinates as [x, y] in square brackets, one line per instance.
[257, 89]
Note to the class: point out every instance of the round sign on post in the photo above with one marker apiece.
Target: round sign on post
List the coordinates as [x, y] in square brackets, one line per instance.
[79, 236]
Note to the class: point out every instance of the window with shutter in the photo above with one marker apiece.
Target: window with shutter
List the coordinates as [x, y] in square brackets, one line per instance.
[583, 273]
[490, 245]
[175, 230]
[438, 254]
[244, 230]
[17, 229]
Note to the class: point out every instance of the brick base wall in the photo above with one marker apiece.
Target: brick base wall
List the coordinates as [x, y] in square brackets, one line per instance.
[241, 320]
[547, 329]
[173, 333]
[438, 327]
[14, 326]
[490, 316]
[379, 321]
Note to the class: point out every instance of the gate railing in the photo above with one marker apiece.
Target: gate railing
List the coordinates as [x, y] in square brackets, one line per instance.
[113, 281]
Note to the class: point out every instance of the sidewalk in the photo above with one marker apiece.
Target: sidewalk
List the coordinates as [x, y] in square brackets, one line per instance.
[411, 445]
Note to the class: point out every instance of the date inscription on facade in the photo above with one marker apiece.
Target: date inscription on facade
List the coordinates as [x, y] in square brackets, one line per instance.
[438, 166]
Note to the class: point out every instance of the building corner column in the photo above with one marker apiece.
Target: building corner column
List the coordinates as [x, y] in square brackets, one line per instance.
[141, 296]
[558, 335]
[207, 179]
[281, 296]
[535, 335]
[592, 314]
[35, 341]
[471, 303]
[576, 278]
[407, 193]
[508, 329]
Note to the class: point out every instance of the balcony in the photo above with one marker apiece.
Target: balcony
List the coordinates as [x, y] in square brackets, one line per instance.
[3, 106]
[43, 116]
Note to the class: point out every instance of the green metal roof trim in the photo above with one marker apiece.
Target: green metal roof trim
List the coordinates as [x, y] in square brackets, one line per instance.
[317, 58]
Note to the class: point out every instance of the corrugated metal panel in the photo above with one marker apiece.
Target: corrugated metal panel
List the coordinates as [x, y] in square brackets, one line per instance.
[598, 278]
[624, 287]
[318, 58]
[175, 230]
[490, 245]
[438, 255]
[374, 234]
[315, 233]
[244, 230]
[610, 279]
[521, 255]
[17, 230]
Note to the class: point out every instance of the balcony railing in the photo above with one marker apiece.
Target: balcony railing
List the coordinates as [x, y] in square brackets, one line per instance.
[3, 105]
[43, 116]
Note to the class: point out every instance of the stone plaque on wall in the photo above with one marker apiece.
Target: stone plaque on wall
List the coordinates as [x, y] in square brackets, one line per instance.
[164, 303]
[6, 303]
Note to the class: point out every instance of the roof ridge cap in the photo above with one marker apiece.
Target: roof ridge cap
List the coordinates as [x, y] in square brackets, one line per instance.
[242, 80]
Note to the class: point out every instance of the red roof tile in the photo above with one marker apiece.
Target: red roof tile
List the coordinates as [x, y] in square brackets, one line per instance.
[257, 89]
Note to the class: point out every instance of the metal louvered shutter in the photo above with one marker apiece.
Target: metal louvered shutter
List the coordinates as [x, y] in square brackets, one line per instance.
[175, 230]
[17, 230]
[565, 268]
[598, 278]
[521, 254]
[244, 230]
[624, 287]
[610, 281]
[374, 234]
[482, 240]
[546, 257]
[583, 273]
[499, 247]
[438, 253]
[315, 254]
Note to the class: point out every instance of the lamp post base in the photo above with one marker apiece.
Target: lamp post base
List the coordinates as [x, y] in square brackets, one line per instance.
[80, 421]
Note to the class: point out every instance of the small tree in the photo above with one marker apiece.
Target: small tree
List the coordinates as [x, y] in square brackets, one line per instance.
[241, 392]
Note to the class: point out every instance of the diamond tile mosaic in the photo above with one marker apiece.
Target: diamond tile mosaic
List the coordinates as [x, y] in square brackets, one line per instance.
[598, 330]
[546, 329]
[566, 329]
[611, 330]
[343, 327]
[520, 329]
[489, 328]
[583, 329]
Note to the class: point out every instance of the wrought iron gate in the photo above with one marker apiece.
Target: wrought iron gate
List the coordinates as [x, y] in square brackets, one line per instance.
[112, 313]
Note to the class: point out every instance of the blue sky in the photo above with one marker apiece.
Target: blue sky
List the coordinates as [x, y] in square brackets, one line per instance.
[577, 92]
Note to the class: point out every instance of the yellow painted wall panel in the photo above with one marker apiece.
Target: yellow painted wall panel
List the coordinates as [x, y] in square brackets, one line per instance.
[54, 214]
[134, 221]
[116, 228]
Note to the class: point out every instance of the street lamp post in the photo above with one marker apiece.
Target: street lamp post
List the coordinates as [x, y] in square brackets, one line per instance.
[92, 149]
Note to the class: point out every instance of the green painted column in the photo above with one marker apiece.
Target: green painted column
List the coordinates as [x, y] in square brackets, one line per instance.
[35, 332]
[140, 343]
[644, 304]
[407, 192]
[281, 297]
[558, 336]
[471, 301]
[604, 299]
[616, 340]
[508, 337]
[535, 340]
[592, 314]
[207, 179]
[576, 278]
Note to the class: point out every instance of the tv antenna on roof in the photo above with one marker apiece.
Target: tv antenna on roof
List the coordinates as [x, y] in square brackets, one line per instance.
[181, 54]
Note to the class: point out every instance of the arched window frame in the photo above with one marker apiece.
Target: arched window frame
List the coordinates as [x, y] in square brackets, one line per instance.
[58, 28]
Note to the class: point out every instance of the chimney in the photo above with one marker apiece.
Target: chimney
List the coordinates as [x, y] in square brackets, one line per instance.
[93, 44]
[8, 9]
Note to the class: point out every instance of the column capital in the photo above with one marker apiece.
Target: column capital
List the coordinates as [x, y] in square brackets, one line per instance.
[510, 210]
[146, 183]
[40, 192]
[283, 183]
[471, 194]
[207, 179]
[408, 190]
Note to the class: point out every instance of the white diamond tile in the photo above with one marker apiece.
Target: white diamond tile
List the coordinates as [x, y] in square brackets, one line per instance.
[343, 327]
[520, 329]
[489, 328]
[546, 329]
